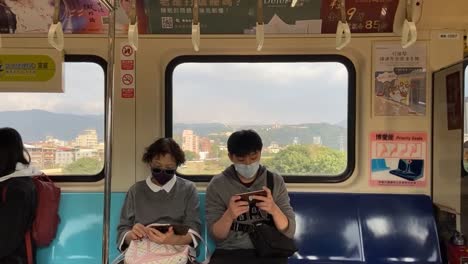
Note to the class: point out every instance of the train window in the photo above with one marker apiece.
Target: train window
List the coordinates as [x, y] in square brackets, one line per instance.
[302, 107]
[63, 132]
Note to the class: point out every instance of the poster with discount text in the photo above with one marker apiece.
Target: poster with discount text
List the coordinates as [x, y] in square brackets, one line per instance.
[363, 16]
[398, 159]
[399, 79]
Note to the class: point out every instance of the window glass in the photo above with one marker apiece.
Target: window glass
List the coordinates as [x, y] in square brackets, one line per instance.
[300, 109]
[63, 132]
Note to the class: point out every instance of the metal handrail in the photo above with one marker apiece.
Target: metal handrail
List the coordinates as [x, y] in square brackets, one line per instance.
[109, 129]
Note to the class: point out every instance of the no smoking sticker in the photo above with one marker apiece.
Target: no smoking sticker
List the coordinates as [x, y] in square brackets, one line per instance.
[127, 79]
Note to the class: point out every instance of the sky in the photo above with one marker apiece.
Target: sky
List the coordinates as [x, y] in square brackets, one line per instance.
[84, 93]
[260, 93]
[229, 93]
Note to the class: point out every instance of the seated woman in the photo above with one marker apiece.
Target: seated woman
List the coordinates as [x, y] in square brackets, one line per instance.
[17, 199]
[162, 198]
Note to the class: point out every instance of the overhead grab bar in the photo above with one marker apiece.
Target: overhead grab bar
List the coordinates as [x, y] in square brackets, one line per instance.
[409, 33]
[343, 32]
[293, 3]
[133, 27]
[195, 27]
[55, 35]
[260, 29]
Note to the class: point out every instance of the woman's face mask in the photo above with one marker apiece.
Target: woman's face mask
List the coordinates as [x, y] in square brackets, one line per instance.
[162, 176]
[163, 168]
[247, 171]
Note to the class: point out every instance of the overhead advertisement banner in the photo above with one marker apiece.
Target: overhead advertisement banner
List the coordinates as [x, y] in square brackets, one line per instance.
[216, 16]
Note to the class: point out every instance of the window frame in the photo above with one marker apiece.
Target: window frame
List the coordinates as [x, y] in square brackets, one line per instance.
[81, 177]
[464, 172]
[351, 126]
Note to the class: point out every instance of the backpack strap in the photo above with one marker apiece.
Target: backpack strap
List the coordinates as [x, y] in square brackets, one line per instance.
[194, 234]
[270, 185]
[28, 242]
[270, 181]
[4, 190]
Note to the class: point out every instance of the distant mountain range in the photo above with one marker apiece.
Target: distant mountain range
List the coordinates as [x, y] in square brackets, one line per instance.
[35, 125]
[330, 135]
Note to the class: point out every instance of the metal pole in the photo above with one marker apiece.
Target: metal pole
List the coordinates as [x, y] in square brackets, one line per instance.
[109, 130]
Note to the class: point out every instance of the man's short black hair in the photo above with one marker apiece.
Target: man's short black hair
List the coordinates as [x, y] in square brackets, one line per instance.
[244, 142]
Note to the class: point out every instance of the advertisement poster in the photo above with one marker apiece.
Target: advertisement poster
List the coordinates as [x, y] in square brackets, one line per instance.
[398, 159]
[454, 106]
[76, 16]
[400, 79]
[363, 16]
[216, 16]
[26, 68]
[234, 16]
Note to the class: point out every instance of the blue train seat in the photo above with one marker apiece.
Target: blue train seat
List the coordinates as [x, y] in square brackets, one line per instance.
[364, 228]
[79, 236]
[331, 228]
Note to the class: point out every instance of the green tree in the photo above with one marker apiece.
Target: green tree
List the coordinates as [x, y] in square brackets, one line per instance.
[307, 159]
[214, 150]
[190, 155]
[328, 161]
[294, 159]
[224, 160]
[84, 166]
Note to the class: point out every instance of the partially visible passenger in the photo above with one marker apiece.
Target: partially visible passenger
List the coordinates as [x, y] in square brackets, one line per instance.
[17, 198]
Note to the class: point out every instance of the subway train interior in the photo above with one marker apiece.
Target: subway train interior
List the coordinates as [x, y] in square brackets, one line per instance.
[360, 105]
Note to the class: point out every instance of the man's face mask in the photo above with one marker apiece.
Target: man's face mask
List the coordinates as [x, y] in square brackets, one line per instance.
[162, 176]
[247, 171]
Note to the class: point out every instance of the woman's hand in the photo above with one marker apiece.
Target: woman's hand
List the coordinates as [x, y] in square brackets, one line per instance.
[162, 238]
[138, 232]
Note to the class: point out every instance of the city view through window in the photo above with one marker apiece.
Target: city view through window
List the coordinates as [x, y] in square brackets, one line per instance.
[299, 109]
[63, 132]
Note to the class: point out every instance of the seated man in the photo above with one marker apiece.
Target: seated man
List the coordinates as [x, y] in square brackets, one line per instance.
[226, 213]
